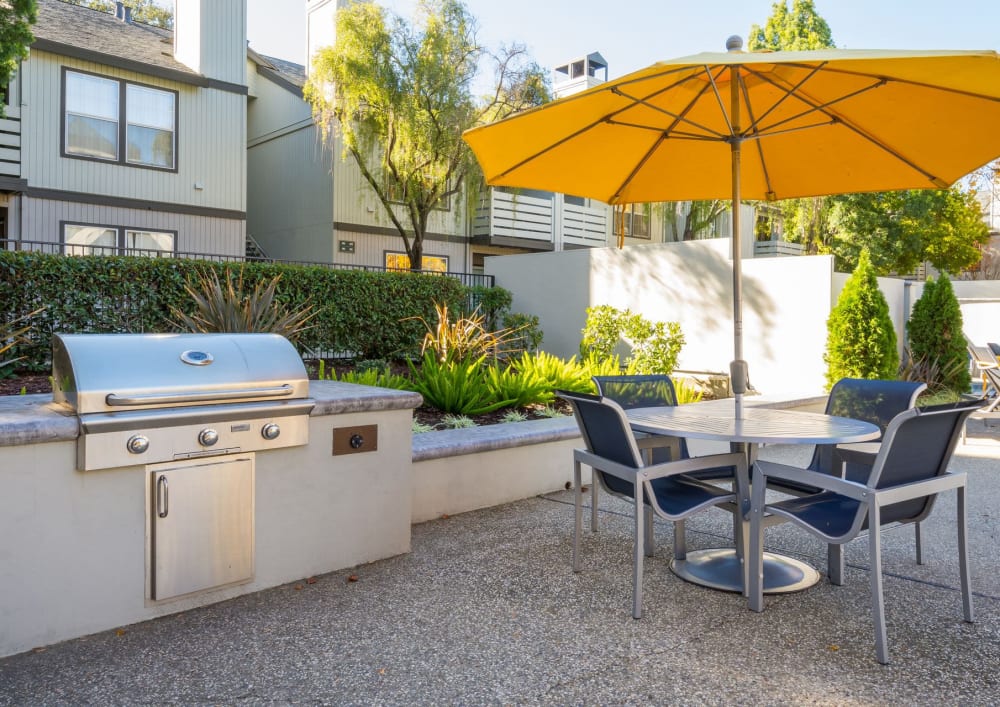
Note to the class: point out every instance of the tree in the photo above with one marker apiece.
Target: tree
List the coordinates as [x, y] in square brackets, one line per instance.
[145, 11]
[800, 29]
[903, 229]
[400, 95]
[690, 220]
[16, 18]
[861, 340]
[936, 336]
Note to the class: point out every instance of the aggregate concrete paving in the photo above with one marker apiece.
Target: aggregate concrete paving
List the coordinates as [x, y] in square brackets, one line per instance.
[486, 610]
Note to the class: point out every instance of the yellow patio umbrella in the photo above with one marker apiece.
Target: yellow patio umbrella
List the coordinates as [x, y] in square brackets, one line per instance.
[757, 125]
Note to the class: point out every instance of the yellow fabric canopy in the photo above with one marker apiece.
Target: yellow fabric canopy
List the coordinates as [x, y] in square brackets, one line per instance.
[810, 123]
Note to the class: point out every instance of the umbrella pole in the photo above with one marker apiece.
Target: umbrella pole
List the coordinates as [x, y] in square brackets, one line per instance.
[738, 367]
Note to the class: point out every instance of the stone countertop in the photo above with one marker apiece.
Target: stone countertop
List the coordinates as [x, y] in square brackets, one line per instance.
[35, 419]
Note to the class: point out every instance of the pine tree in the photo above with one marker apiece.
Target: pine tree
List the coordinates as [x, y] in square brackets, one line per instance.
[936, 336]
[861, 340]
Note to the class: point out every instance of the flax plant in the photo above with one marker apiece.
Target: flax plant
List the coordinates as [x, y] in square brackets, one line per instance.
[231, 306]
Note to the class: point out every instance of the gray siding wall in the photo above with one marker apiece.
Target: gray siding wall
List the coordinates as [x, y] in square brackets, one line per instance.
[369, 249]
[41, 222]
[211, 136]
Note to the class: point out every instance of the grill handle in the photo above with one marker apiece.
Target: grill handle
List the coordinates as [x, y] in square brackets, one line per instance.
[162, 497]
[218, 396]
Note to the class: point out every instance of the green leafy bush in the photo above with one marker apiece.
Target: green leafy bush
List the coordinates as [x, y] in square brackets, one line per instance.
[523, 387]
[379, 379]
[457, 386]
[493, 303]
[372, 314]
[557, 373]
[936, 339]
[526, 335]
[655, 345]
[861, 341]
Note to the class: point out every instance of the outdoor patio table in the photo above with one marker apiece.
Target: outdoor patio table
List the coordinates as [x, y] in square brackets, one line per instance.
[722, 568]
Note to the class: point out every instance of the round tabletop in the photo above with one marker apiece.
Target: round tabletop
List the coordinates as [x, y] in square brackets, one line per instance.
[758, 425]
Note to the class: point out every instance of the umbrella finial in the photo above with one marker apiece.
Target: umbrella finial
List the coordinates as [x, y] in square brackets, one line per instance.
[734, 43]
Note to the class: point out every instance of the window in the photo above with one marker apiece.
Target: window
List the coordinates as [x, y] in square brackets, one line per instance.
[631, 220]
[401, 261]
[101, 114]
[90, 239]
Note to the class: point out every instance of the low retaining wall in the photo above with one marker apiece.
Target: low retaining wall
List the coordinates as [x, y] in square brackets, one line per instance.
[455, 471]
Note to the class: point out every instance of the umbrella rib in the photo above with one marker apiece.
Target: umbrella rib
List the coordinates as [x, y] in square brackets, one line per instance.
[814, 106]
[788, 91]
[718, 97]
[659, 141]
[673, 134]
[839, 119]
[753, 127]
[910, 82]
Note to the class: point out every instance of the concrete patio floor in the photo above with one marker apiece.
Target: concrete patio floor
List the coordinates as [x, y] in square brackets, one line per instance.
[486, 610]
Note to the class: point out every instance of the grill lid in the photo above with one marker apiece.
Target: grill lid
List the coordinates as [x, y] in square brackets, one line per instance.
[117, 372]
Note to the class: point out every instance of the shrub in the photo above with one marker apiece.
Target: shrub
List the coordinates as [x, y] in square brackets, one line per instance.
[522, 387]
[466, 337]
[655, 345]
[371, 314]
[456, 386]
[493, 303]
[558, 374]
[234, 307]
[936, 337]
[526, 336]
[861, 341]
[377, 378]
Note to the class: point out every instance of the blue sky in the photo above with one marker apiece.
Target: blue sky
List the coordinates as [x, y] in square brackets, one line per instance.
[631, 34]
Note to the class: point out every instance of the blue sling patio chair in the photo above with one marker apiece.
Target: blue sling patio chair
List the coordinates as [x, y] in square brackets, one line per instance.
[872, 400]
[910, 469]
[655, 390]
[665, 489]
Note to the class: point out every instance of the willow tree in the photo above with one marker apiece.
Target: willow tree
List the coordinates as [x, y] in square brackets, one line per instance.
[400, 94]
[16, 18]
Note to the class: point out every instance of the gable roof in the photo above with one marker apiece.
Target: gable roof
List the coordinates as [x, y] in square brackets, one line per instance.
[286, 74]
[92, 35]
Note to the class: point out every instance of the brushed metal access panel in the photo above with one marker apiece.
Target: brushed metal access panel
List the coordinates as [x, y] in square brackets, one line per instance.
[202, 524]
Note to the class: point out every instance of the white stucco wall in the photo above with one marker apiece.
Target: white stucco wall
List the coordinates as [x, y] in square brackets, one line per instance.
[784, 308]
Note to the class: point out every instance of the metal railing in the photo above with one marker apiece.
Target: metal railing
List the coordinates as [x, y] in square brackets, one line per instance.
[467, 279]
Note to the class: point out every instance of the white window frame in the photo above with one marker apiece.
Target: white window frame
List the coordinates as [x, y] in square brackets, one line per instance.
[121, 246]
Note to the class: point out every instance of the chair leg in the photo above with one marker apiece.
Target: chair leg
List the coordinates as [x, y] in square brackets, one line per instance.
[638, 553]
[577, 512]
[594, 483]
[918, 537]
[680, 541]
[835, 563]
[963, 557]
[650, 540]
[754, 561]
[875, 578]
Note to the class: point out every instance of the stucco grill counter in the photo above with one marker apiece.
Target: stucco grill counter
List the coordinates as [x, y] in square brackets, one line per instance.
[192, 408]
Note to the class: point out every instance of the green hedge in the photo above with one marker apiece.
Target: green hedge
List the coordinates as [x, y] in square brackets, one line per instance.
[372, 314]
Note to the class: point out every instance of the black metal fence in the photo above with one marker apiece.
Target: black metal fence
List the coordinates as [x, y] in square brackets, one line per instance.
[467, 279]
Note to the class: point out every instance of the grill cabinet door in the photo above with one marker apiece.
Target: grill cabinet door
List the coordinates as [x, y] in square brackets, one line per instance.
[202, 525]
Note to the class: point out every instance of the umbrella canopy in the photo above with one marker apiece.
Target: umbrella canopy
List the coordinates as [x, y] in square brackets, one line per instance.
[765, 126]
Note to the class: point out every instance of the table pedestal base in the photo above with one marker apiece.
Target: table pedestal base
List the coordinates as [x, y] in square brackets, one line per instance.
[720, 569]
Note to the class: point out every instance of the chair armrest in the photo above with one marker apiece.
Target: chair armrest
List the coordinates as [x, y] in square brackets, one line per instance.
[764, 470]
[709, 461]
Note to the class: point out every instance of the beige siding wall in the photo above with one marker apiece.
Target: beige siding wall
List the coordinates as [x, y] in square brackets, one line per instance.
[273, 110]
[289, 189]
[41, 222]
[355, 202]
[211, 136]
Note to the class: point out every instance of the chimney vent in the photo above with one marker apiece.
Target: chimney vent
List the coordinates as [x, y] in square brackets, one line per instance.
[120, 10]
[128, 15]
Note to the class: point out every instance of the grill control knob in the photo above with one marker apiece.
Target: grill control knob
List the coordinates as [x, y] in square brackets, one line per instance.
[208, 437]
[137, 444]
[270, 431]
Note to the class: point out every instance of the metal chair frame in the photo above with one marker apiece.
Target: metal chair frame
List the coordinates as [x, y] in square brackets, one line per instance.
[871, 502]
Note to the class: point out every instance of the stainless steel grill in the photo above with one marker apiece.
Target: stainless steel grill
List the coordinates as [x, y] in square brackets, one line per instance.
[149, 398]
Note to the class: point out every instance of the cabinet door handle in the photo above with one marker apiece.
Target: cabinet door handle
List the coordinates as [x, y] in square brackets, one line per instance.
[162, 497]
